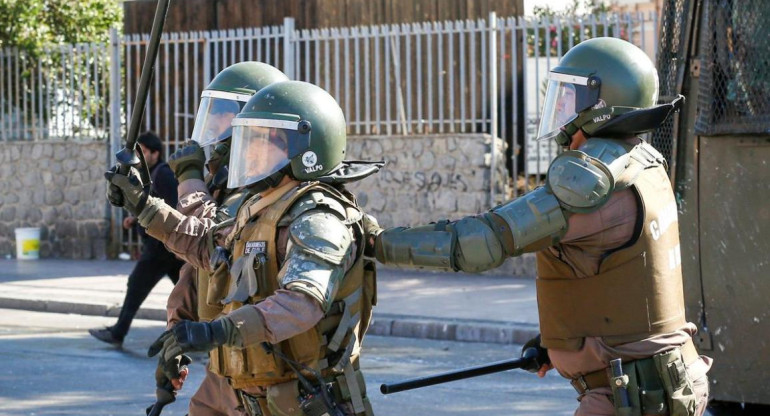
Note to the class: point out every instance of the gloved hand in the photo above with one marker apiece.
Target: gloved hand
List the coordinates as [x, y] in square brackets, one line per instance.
[219, 156]
[126, 191]
[187, 162]
[189, 336]
[372, 229]
[170, 374]
[539, 354]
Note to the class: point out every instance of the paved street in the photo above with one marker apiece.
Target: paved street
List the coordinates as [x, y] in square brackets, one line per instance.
[53, 367]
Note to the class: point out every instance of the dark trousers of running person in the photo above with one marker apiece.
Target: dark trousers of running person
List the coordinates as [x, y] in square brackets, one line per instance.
[154, 263]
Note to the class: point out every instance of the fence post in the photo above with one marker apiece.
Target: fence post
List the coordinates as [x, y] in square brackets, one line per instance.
[207, 57]
[114, 215]
[493, 105]
[288, 47]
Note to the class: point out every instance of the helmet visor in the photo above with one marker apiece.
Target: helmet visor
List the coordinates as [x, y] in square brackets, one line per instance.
[558, 109]
[262, 147]
[567, 95]
[216, 111]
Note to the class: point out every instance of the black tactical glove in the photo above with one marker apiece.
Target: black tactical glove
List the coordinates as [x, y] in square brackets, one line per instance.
[126, 191]
[537, 352]
[187, 162]
[170, 369]
[189, 336]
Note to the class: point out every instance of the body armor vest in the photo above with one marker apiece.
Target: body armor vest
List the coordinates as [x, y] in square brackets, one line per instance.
[328, 347]
[637, 291]
[209, 306]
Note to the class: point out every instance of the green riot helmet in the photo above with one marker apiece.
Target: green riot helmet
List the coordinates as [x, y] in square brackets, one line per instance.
[226, 95]
[595, 84]
[290, 127]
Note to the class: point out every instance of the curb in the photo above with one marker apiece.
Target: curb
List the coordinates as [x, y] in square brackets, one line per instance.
[381, 324]
[78, 308]
[452, 329]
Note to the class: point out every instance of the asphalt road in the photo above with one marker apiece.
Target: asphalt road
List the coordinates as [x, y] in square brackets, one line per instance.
[51, 366]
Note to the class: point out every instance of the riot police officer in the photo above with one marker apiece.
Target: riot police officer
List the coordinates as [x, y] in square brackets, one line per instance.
[605, 231]
[209, 199]
[290, 274]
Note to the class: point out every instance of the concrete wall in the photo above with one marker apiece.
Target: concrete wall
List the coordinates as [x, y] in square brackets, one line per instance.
[59, 187]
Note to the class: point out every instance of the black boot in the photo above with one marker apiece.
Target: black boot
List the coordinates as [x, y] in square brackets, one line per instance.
[106, 335]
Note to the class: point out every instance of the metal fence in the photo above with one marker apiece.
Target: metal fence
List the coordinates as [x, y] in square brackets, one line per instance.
[438, 77]
[542, 42]
[61, 94]
[423, 78]
[469, 76]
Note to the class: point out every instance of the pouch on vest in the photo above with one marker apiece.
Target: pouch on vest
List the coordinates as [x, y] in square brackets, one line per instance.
[246, 276]
[219, 282]
[673, 372]
[282, 399]
[206, 312]
[241, 364]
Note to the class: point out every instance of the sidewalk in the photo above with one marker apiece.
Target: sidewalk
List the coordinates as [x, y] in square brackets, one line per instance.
[447, 306]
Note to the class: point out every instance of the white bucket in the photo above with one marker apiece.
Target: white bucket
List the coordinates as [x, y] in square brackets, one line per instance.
[27, 243]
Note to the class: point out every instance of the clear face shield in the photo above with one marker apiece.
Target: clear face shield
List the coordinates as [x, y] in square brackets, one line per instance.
[217, 110]
[261, 147]
[566, 96]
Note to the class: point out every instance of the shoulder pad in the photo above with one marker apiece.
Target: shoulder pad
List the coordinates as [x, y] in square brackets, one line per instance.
[580, 182]
[625, 161]
[318, 199]
[232, 202]
[321, 234]
[612, 153]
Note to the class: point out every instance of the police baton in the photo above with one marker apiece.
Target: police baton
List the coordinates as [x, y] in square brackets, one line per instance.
[528, 361]
[127, 156]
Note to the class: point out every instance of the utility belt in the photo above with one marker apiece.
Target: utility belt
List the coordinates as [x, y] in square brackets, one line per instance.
[297, 399]
[658, 385]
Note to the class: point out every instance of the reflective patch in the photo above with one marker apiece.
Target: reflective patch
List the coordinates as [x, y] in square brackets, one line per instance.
[309, 159]
[255, 246]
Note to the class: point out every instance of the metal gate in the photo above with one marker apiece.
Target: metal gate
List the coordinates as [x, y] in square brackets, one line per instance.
[469, 76]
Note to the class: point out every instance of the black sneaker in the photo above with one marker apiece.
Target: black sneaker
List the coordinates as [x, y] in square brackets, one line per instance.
[106, 335]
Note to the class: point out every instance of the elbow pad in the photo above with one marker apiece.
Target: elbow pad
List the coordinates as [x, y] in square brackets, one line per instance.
[470, 244]
[428, 246]
[533, 217]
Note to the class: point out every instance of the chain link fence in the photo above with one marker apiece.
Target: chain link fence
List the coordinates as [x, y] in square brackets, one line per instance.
[735, 82]
[671, 67]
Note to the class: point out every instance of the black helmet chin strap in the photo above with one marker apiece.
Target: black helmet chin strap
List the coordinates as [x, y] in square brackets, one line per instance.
[564, 137]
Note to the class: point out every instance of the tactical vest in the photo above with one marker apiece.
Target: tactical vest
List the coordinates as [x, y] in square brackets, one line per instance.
[334, 343]
[638, 290]
[210, 286]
